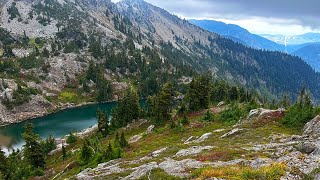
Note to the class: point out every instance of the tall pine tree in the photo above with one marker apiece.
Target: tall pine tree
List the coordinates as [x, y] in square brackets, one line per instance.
[33, 151]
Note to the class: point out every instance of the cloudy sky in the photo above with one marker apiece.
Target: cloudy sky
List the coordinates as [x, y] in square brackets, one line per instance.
[286, 17]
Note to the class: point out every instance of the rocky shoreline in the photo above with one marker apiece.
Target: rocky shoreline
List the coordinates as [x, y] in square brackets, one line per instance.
[34, 115]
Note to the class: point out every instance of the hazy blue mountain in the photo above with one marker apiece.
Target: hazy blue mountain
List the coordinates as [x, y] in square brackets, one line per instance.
[292, 48]
[238, 34]
[311, 54]
[295, 39]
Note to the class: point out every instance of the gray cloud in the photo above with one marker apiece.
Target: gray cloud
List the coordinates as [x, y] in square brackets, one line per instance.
[302, 12]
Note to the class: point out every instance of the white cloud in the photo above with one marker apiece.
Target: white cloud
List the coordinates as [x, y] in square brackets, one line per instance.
[264, 26]
[287, 17]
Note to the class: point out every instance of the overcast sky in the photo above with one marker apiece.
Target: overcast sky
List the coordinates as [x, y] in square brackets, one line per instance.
[258, 16]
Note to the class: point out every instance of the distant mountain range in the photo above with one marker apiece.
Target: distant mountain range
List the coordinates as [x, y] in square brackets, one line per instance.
[311, 54]
[295, 39]
[306, 46]
[238, 34]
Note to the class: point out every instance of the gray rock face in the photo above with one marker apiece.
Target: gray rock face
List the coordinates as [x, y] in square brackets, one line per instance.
[178, 168]
[150, 129]
[200, 139]
[263, 112]
[135, 138]
[38, 106]
[312, 128]
[306, 147]
[192, 150]
[141, 171]
[260, 162]
[232, 132]
[31, 26]
[103, 169]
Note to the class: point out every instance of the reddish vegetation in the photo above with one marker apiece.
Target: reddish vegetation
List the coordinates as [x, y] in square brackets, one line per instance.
[195, 114]
[269, 117]
[215, 156]
[216, 110]
[196, 125]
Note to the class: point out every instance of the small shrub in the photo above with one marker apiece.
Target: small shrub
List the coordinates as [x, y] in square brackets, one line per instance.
[185, 120]
[208, 116]
[71, 138]
[70, 97]
[232, 115]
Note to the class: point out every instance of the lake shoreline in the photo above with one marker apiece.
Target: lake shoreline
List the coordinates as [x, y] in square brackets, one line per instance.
[56, 110]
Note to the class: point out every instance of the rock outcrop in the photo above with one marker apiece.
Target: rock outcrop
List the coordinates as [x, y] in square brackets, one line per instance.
[232, 132]
[198, 140]
[192, 150]
[312, 128]
[38, 106]
[261, 112]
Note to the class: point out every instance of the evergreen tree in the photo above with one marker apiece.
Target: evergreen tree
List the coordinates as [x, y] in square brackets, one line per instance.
[172, 123]
[37, 53]
[185, 120]
[166, 101]
[285, 101]
[234, 94]
[123, 141]
[108, 154]
[3, 164]
[199, 93]
[46, 53]
[8, 52]
[49, 144]
[116, 140]
[103, 122]
[301, 112]
[33, 152]
[208, 116]
[104, 90]
[219, 91]
[119, 153]
[25, 38]
[127, 109]
[71, 138]
[86, 151]
[64, 153]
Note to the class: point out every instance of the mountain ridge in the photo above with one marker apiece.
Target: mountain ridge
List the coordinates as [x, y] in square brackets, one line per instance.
[238, 32]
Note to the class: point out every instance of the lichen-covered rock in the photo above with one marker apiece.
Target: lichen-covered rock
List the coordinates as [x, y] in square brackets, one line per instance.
[141, 171]
[312, 128]
[261, 112]
[260, 162]
[178, 168]
[200, 139]
[103, 169]
[192, 150]
[135, 138]
[150, 129]
[306, 147]
[232, 132]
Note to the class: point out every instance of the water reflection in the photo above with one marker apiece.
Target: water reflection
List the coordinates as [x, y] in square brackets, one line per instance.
[58, 125]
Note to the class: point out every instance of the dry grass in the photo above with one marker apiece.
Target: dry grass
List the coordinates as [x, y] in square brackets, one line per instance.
[272, 172]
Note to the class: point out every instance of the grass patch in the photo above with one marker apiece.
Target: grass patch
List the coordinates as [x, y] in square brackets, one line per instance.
[158, 174]
[274, 171]
[70, 97]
